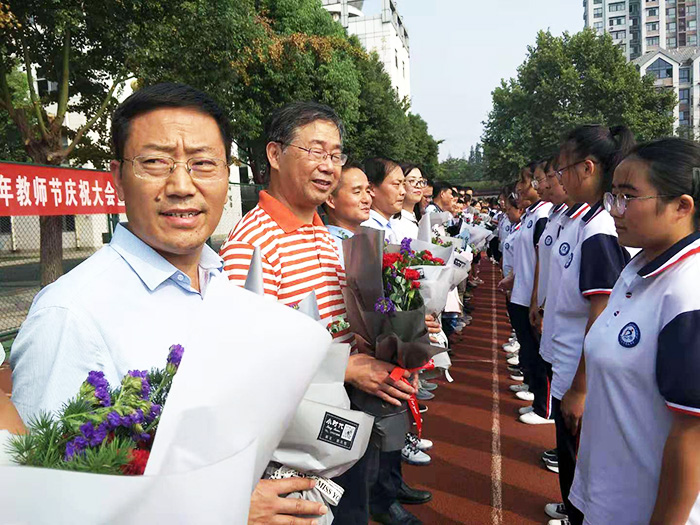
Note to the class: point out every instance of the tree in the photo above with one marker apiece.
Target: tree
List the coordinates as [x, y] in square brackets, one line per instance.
[464, 168]
[566, 81]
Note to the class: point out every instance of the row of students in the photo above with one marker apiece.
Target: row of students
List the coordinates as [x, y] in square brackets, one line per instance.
[605, 339]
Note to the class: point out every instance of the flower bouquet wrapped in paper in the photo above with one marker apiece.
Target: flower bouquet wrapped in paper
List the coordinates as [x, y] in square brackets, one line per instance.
[326, 437]
[385, 308]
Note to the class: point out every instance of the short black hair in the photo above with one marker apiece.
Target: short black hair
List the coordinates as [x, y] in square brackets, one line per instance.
[439, 186]
[377, 169]
[468, 188]
[408, 167]
[286, 120]
[166, 95]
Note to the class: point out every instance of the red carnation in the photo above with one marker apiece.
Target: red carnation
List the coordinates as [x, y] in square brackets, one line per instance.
[438, 261]
[137, 464]
[415, 285]
[411, 274]
[389, 259]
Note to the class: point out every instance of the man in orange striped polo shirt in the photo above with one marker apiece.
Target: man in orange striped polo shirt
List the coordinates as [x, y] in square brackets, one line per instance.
[305, 158]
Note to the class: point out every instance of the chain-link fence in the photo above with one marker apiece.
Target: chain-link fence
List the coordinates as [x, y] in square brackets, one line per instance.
[82, 235]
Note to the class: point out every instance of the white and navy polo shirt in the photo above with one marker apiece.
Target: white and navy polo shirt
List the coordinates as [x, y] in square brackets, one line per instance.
[590, 268]
[544, 248]
[569, 231]
[642, 363]
[509, 248]
[504, 227]
[533, 224]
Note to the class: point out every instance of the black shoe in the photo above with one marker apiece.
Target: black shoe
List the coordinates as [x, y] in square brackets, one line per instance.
[514, 368]
[397, 515]
[410, 496]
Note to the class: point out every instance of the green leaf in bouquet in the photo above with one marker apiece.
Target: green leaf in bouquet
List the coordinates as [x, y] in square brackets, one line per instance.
[41, 447]
[108, 458]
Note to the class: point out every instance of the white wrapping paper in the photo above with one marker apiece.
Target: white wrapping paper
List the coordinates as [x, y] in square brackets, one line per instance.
[426, 223]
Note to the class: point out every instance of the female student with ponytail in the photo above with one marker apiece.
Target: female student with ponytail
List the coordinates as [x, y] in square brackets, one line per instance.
[588, 158]
[639, 459]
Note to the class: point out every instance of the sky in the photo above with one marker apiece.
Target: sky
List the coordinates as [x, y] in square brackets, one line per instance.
[460, 51]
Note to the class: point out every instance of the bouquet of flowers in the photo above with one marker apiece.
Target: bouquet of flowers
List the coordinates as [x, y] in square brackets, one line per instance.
[101, 430]
[386, 308]
[437, 239]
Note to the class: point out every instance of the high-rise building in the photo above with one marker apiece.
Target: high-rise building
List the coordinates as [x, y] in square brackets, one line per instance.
[384, 33]
[661, 38]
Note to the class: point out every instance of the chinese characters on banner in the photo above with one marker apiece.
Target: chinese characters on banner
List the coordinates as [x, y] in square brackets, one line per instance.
[27, 189]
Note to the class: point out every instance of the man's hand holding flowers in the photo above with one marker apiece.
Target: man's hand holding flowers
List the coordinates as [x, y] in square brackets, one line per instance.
[372, 376]
[268, 506]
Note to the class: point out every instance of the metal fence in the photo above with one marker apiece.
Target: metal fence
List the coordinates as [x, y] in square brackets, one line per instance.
[83, 235]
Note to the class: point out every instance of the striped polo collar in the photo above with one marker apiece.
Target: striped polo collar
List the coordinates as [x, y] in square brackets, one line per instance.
[684, 248]
[595, 210]
[516, 227]
[534, 207]
[282, 215]
[558, 208]
[577, 210]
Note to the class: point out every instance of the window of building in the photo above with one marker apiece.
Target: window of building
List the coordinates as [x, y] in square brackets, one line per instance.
[634, 9]
[653, 11]
[652, 41]
[692, 24]
[396, 58]
[670, 2]
[681, 40]
[617, 21]
[684, 96]
[598, 12]
[671, 27]
[671, 42]
[684, 117]
[660, 68]
[597, 1]
[618, 35]
[691, 10]
[653, 26]
[598, 26]
[68, 223]
[684, 74]
[403, 64]
[5, 225]
[692, 40]
[619, 6]
[671, 11]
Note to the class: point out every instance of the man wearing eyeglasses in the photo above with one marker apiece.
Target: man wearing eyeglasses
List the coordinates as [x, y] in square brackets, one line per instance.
[157, 283]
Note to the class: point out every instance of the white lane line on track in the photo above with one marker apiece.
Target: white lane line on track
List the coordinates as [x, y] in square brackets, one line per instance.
[496, 480]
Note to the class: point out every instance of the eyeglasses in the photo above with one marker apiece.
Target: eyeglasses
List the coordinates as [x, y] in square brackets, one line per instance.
[560, 173]
[619, 202]
[154, 167]
[416, 183]
[319, 155]
[535, 183]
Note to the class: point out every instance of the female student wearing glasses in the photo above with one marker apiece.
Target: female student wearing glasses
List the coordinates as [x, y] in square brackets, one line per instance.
[639, 460]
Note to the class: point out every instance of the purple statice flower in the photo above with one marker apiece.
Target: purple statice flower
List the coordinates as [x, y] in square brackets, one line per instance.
[384, 305]
[94, 436]
[175, 355]
[101, 386]
[145, 385]
[142, 436]
[113, 420]
[155, 412]
[406, 246]
[75, 446]
[135, 418]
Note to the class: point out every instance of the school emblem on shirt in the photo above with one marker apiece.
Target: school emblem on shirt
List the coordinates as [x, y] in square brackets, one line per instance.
[338, 431]
[529, 223]
[569, 260]
[508, 228]
[629, 335]
[548, 240]
[507, 246]
[564, 249]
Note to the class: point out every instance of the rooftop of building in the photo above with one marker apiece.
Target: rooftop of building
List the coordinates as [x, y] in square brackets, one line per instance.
[679, 55]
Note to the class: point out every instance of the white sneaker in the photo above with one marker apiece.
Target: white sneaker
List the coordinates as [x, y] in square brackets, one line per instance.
[556, 511]
[511, 347]
[522, 387]
[421, 444]
[525, 396]
[565, 521]
[517, 377]
[525, 410]
[411, 455]
[533, 419]
[515, 360]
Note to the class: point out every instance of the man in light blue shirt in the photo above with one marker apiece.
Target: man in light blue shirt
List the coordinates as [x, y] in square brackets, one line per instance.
[157, 283]
[348, 206]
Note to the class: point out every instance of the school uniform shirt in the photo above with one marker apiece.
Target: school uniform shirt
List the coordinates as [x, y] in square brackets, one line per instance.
[544, 248]
[569, 231]
[433, 208]
[534, 222]
[405, 225]
[642, 363]
[509, 249]
[339, 235]
[504, 227]
[591, 268]
[379, 222]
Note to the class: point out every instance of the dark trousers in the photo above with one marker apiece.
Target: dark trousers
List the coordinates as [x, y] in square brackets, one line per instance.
[567, 448]
[354, 505]
[494, 249]
[386, 486]
[533, 366]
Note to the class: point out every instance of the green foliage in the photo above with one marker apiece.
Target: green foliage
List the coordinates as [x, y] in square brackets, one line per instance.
[566, 81]
[464, 169]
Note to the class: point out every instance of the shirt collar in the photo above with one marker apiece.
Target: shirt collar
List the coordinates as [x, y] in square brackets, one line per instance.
[558, 208]
[409, 216]
[536, 206]
[149, 265]
[686, 247]
[282, 215]
[594, 211]
[577, 209]
[375, 215]
[338, 232]
[516, 227]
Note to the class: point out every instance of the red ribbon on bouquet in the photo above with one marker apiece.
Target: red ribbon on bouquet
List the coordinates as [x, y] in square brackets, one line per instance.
[397, 375]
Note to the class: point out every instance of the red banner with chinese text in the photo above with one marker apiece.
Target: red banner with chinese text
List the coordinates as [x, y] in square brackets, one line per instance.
[31, 189]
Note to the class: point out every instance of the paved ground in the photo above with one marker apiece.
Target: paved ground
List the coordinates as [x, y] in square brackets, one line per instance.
[485, 465]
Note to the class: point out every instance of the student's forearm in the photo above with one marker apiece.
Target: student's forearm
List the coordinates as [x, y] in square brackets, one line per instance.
[679, 483]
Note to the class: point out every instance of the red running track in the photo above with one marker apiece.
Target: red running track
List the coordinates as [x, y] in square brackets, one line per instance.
[473, 418]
